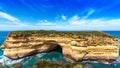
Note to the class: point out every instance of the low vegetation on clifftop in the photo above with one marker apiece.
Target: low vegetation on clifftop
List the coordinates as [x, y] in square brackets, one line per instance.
[62, 33]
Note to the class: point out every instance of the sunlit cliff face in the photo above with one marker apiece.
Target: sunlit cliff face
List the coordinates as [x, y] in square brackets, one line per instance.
[93, 47]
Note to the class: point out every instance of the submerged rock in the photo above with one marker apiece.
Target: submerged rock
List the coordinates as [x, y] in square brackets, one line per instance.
[87, 66]
[75, 46]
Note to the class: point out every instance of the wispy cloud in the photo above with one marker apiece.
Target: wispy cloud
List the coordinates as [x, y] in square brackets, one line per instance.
[45, 23]
[63, 17]
[75, 20]
[8, 17]
[90, 12]
[73, 23]
[101, 22]
[78, 23]
[89, 24]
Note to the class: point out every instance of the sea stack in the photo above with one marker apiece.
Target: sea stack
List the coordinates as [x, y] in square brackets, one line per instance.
[76, 46]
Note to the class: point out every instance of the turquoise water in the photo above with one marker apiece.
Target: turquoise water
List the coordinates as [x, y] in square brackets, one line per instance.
[54, 56]
[3, 35]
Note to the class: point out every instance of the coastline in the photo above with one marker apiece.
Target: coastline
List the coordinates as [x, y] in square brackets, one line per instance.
[91, 62]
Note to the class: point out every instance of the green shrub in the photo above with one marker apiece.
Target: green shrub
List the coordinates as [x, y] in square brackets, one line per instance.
[1, 66]
[48, 64]
[17, 65]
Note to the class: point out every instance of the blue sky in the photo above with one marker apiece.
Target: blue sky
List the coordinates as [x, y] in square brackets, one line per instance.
[60, 14]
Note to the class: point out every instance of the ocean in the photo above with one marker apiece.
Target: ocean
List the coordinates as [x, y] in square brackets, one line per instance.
[3, 35]
[54, 56]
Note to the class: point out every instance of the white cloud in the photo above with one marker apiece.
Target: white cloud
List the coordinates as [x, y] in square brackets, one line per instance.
[12, 20]
[90, 12]
[75, 20]
[8, 17]
[73, 23]
[78, 23]
[63, 17]
[91, 24]
[45, 22]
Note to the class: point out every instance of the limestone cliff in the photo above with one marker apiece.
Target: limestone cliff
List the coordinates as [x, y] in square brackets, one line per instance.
[76, 46]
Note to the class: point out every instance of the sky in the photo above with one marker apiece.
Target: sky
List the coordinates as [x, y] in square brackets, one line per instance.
[59, 15]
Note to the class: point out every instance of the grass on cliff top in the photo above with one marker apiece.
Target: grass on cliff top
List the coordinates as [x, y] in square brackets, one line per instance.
[48, 32]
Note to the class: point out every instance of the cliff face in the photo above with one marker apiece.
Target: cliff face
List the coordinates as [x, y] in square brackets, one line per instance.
[74, 47]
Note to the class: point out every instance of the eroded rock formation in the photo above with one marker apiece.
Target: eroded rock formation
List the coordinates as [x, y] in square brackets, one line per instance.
[76, 46]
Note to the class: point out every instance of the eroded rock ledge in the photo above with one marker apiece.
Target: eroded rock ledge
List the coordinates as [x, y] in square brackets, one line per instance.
[76, 46]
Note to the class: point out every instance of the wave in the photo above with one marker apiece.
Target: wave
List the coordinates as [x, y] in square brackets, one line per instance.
[6, 61]
[9, 62]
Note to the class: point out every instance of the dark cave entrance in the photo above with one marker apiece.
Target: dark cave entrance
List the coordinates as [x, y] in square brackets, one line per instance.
[57, 49]
[55, 46]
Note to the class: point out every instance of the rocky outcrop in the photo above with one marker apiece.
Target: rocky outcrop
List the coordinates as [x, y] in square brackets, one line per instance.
[76, 46]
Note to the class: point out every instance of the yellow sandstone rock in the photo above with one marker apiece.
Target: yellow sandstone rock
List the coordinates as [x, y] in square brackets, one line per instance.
[91, 47]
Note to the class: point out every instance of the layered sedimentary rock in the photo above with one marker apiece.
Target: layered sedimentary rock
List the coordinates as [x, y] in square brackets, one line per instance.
[76, 46]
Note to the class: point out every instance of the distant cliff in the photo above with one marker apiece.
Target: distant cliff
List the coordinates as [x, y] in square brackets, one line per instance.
[76, 46]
